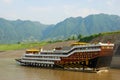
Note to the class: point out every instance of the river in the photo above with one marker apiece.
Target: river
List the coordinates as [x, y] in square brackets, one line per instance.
[10, 70]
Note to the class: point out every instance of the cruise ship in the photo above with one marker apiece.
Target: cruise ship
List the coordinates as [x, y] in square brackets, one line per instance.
[78, 55]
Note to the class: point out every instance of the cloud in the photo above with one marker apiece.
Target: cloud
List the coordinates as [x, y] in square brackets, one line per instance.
[87, 11]
[52, 14]
[90, 0]
[77, 11]
[109, 2]
[38, 9]
[112, 3]
[7, 1]
[55, 12]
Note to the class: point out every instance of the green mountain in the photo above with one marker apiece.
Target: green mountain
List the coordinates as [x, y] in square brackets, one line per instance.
[19, 30]
[64, 29]
[91, 24]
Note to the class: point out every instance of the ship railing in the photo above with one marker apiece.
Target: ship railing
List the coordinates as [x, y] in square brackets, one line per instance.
[88, 45]
[44, 62]
[41, 58]
[50, 51]
[66, 51]
[94, 44]
[85, 46]
[47, 51]
[68, 54]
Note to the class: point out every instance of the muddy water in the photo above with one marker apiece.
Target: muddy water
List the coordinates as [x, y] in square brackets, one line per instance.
[9, 70]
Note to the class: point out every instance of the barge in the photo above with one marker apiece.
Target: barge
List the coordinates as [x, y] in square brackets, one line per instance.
[79, 55]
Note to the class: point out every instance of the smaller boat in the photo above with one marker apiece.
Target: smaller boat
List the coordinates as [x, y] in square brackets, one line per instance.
[79, 55]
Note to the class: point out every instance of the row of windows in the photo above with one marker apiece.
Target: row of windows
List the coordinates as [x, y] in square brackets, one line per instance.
[81, 56]
[84, 53]
[107, 47]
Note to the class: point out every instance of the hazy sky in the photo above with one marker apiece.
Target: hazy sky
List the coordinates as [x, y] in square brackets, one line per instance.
[53, 11]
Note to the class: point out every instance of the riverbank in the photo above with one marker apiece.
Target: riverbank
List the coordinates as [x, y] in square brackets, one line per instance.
[10, 52]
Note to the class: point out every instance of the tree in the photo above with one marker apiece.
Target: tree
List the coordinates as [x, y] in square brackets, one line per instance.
[79, 36]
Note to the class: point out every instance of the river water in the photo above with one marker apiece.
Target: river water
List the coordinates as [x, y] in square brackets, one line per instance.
[10, 70]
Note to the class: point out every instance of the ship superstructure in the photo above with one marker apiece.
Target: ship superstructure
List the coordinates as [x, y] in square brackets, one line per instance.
[76, 56]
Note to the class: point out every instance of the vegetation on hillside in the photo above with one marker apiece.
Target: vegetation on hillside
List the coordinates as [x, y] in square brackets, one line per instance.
[88, 38]
[5, 47]
[91, 37]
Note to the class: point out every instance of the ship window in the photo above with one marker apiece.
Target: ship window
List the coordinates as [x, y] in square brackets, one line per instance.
[83, 56]
[107, 47]
[104, 47]
[111, 47]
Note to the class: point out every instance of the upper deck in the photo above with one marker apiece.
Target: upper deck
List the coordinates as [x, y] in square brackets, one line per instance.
[72, 49]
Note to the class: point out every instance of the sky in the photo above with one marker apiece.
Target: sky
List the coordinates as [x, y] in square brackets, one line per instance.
[54, 11]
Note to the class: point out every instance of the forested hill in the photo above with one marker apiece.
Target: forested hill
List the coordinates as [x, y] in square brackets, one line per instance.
[19, 30]
[91, 24]
[112, 37]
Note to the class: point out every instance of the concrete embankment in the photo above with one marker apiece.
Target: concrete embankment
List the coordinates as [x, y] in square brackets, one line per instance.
[116, 57]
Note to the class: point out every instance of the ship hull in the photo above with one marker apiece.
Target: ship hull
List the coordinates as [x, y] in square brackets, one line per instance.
[99, 62]
[96, 63]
